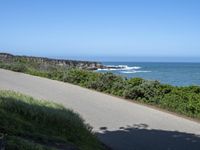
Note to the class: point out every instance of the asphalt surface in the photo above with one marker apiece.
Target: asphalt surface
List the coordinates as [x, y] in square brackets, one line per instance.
[118, 123]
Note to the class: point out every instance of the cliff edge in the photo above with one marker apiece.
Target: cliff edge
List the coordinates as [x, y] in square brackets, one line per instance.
[88, 65]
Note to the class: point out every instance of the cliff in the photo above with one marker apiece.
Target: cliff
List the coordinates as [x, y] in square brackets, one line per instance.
[89, 65]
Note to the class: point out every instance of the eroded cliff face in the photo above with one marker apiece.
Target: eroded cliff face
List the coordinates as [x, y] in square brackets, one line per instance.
[89, 65]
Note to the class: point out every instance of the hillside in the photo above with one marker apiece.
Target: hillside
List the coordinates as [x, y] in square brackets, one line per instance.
[47, 63]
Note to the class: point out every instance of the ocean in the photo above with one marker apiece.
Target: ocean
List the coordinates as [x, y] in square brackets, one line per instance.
[178, 74]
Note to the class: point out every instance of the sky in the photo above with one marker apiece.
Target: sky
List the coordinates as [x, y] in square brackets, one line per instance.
[102, 29]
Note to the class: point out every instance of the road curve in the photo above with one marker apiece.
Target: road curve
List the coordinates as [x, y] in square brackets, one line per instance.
[120, 124]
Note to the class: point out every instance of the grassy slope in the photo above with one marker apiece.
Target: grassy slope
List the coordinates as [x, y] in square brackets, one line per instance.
[182, 100]
[31, 124]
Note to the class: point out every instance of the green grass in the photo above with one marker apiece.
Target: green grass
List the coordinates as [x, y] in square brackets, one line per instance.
[31, 124]
[182, 100]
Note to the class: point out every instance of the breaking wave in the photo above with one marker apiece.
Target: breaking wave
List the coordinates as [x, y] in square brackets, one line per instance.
[134, 71]
[124, 69]
[120, 67]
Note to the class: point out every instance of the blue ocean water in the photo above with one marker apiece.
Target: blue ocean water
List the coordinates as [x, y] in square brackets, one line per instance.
[178, 74]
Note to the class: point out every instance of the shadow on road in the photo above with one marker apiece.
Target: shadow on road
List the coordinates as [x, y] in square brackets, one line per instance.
[140, 137]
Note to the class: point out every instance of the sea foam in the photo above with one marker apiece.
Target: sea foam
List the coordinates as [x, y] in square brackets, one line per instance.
[119, 67]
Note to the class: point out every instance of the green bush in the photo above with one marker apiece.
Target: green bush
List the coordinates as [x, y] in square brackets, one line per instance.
[183, 102]
[74, 76]
[14, 66]
[141, 89]
[105, 82]
[135, 82]
[118, 87]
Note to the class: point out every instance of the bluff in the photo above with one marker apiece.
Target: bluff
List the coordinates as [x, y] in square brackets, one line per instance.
[43, 61]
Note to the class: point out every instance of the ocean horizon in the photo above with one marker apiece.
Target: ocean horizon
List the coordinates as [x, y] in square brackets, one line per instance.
[173, 73]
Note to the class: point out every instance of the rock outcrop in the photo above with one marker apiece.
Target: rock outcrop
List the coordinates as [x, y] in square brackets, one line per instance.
[89, 65]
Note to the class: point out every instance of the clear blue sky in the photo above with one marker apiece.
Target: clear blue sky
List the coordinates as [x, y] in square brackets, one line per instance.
[101, 29]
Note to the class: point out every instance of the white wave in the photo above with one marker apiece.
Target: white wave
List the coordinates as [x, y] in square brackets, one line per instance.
[110, 69]
[134, 71]
[119, 67]
[135, 67]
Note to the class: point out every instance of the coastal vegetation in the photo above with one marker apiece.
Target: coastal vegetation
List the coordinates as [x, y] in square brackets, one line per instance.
[182, 100]
[31, 124]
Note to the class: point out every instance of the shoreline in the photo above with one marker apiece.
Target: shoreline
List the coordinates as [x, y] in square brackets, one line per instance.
[135, 89]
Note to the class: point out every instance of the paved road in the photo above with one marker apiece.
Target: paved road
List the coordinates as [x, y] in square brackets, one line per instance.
[120, 124]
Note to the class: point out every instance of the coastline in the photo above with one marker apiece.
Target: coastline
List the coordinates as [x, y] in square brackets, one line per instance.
[151, 92]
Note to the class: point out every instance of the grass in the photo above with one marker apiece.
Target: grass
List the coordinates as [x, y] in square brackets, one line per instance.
[31, 124]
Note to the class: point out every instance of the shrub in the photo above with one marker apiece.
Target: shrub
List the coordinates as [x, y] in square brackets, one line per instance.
[141, 89]
[182, 102]
[118, 87]
[134, 82]
[105, 82]
[75, 76]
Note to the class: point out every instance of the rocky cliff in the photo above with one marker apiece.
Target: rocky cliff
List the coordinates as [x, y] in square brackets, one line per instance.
[89, 65]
